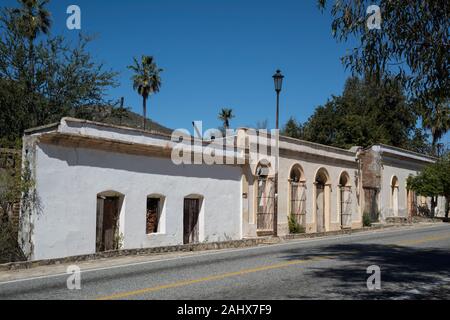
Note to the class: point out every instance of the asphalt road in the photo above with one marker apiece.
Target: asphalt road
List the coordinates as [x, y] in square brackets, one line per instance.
[414, 264]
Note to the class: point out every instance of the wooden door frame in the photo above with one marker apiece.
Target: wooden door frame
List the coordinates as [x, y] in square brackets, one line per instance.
[187, 223]
[100, 245]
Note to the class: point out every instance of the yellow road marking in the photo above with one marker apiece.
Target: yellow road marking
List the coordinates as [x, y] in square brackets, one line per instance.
[423, 240]
[211, 278]
[248, 271]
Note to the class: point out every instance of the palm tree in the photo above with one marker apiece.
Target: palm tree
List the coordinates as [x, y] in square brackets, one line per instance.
[438, 122]
[32, 19]
[146, 80]
[225, 116]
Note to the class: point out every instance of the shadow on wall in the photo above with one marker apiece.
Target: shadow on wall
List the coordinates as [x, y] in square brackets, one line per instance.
[140, 164]
[402, 269]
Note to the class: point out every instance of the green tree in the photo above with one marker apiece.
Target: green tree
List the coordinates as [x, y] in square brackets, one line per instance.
[419, 142]
[146, 80]
[437, 120]
[32, 19]
[413, 45]
[366, 113]
[433, 181]
[65, 79]
[293, 129]
[225, 116]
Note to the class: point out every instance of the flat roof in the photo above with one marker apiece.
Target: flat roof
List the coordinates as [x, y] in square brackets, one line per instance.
[383, 148]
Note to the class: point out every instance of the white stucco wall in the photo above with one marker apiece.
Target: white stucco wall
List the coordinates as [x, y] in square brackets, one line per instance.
[69, 179]
[400, 164]
[402, 174]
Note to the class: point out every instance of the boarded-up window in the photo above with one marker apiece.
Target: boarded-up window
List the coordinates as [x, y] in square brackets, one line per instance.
[153, 214]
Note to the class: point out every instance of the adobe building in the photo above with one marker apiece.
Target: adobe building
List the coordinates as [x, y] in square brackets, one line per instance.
[385, 170]
[100, 187]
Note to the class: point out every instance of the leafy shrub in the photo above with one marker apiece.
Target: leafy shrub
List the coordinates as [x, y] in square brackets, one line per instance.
[367, 221]
[294, 227]
[9, 248]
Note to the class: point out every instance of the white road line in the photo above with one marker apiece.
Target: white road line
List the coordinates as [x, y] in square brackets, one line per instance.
[301, 241]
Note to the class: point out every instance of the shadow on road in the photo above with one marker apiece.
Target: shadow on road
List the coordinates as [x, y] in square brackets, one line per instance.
[402, 269]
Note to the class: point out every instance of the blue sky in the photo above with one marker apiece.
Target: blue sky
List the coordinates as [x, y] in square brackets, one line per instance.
[216, 53]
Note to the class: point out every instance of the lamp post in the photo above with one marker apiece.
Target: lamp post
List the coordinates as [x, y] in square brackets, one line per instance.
[278, 81]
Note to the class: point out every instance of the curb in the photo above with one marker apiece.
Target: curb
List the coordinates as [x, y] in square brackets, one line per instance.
[188, 247]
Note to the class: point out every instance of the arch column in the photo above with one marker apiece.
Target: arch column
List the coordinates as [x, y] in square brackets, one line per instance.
[344, 205]
[296, 196]
[322, 200]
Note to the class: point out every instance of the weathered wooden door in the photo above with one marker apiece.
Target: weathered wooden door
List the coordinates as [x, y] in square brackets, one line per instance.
[412, 203]
[298, 202]
[190, 220]
[266, 205]
[346, 207]
[107, 219]
[320, 207]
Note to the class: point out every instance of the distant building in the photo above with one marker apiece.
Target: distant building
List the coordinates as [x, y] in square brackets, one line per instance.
[102, 187]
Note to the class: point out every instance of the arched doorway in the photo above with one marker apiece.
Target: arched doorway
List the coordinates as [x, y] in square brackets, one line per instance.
[109, 206]
[322, 191]
[394, 196]
[297, 185]
[265, 208]
[345, 200]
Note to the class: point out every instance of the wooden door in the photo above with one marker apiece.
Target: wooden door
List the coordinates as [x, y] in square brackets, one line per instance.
[412, 203]
[265, 205]
[320, 208]
[346, 207]
[298, 202]
[110, 217]
[190, 221]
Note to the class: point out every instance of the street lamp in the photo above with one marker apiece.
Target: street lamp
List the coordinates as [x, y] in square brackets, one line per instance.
[278, 81]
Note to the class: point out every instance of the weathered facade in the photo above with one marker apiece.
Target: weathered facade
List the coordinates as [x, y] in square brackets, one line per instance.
[100, 187]
[385, 171]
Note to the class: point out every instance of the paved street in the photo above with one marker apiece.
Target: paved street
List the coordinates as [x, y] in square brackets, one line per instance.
[414, 262]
